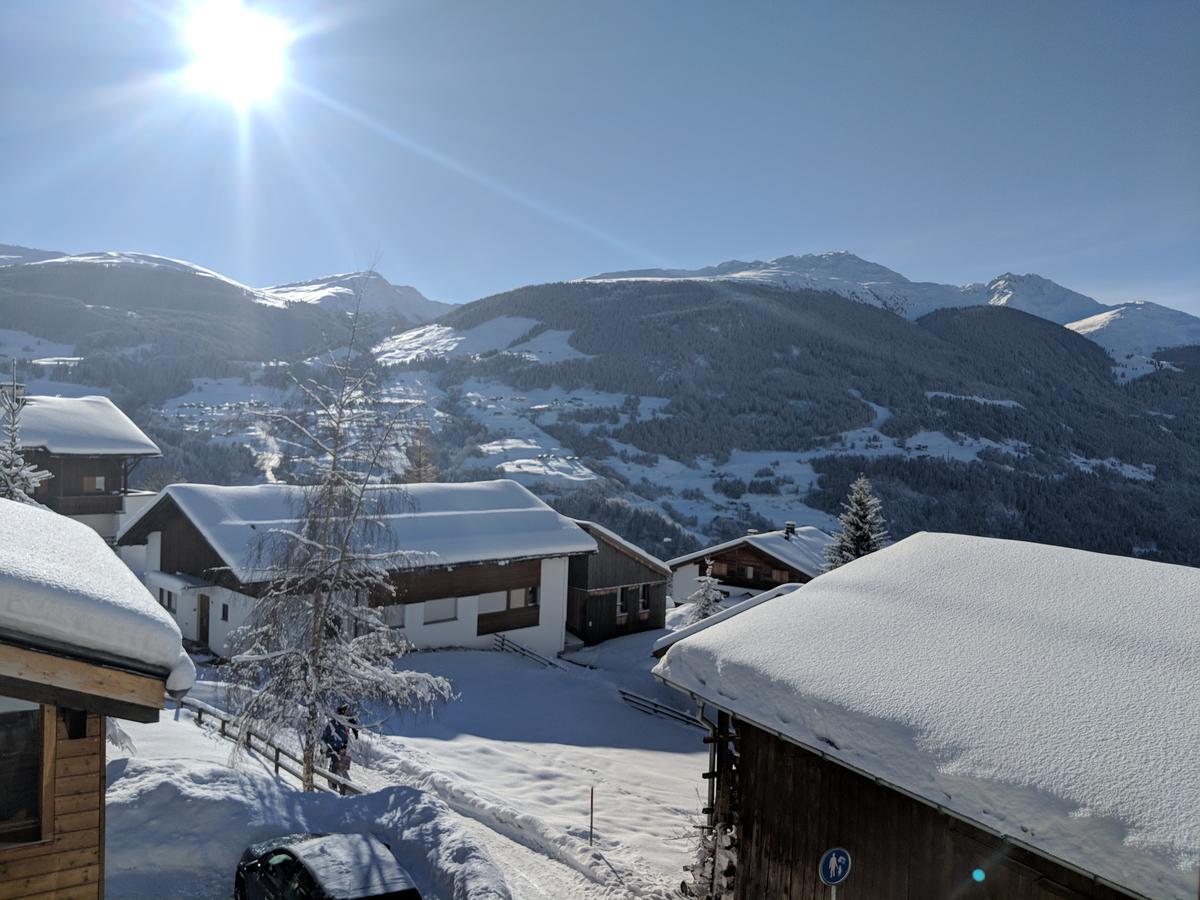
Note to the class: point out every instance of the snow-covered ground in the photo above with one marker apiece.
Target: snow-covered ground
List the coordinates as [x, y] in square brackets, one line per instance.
[493, 791]
[23, 345]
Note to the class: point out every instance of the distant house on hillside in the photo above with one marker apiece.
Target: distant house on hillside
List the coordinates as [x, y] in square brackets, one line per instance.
[619, 590]
[80, 639]
[965, 717]
[754, 563]
[89, 447]
[494, 559]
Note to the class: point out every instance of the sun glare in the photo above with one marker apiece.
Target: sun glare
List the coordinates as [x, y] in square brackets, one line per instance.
[238, 54]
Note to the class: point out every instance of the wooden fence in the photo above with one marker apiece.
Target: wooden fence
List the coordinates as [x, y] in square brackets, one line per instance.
[282, 759]
[500, 642]
[654, 708]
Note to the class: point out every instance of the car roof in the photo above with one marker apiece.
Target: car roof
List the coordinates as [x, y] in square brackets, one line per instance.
[351, 865]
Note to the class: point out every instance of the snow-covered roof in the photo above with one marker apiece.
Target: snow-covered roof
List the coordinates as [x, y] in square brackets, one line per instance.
[669, 640]
[82, 426]
[1050, 694]
[60, 584]
[803, 551]
[629, 547]
[443, 524]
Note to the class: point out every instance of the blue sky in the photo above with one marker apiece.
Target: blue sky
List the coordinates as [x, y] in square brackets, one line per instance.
[475, 147]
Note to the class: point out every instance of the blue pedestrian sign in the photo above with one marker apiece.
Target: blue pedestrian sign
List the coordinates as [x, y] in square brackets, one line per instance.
[835, 866]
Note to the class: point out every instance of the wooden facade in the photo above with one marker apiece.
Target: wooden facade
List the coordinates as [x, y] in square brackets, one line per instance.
[67, 863]
[746, 566]
[615, 591]
[785, 805]
[73, 491]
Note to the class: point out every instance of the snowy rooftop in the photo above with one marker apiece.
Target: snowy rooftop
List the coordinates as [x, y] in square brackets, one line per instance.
[82, 426]
[61, 584]
[803, 551]
[446, 524]
[1051, 694]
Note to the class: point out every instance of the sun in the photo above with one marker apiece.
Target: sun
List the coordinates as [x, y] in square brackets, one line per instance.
[238, 54]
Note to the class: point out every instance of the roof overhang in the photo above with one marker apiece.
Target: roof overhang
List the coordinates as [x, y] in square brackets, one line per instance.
[47, 672]
[725, 707]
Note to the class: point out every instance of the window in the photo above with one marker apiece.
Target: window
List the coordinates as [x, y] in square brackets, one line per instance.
[719, 569]
[93, 484]
[224, 612]
[779, 576]
[522, 597]
[644, 600]
[748, 572]
[171, 601]
[20, 771]
[162, 597]
[445, 610]
[622, 604]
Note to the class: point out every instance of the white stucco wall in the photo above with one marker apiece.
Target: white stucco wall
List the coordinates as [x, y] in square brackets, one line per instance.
[685, 582]
[546, 637]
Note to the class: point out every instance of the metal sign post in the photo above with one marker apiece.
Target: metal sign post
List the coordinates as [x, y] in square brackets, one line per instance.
[834, 868]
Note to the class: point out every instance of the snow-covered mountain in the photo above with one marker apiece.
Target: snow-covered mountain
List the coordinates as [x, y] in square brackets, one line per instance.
[379, 295]
[145, 276]
[867, 282]
[1139, 328]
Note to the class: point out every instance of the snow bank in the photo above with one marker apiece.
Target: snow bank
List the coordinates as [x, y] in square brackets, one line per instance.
[445, 524]
[202, 815]
[60, 582]
[1051, 694]
[82, 426]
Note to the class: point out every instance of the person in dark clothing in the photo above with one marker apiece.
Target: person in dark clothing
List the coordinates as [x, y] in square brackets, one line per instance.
[336, 739]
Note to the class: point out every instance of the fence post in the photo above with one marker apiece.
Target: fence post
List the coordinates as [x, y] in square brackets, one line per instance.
[591, 813]
[222, 728]
[276, 760]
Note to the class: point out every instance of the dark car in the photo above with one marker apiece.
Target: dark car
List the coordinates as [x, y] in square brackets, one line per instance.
[322, 867]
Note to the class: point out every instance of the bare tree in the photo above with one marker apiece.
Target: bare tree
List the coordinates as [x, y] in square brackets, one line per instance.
[313, 643]
[18, 479]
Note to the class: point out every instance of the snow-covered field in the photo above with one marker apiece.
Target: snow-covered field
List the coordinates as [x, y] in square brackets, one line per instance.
[23, 345]
[490, 798]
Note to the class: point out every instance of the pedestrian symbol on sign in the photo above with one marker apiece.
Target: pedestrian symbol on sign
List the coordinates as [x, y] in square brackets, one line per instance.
[834, 867]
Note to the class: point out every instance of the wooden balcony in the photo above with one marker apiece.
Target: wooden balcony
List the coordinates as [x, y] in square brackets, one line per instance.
[508, 620]
[85, 504]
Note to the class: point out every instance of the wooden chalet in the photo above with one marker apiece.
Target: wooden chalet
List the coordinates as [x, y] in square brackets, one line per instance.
[80, 640]
[491, 558]
[833, 719]
[756, 562]
[89, 447]
[619, 590]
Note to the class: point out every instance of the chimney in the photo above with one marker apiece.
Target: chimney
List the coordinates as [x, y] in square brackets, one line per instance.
[789, 529]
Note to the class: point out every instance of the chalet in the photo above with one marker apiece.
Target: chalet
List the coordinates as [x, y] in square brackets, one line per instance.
[494, 560]
[619, 590]
[89, 447]
[756, 562]
[80, 640]
[965, 717]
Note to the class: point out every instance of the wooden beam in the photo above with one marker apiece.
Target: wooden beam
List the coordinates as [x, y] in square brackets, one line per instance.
[35, 672]
[61, 697]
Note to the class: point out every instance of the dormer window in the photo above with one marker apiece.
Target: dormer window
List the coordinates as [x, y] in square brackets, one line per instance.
[93, 484]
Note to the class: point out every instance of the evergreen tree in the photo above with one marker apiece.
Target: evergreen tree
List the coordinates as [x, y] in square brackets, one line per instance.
[421, 468]
[863, 529]
[707, 598]
[18, 479]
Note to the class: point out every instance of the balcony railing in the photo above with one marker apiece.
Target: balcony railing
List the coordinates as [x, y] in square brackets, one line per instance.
[85, 505]
[508, 620]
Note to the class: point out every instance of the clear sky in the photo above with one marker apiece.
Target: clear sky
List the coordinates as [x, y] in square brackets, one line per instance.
[475, 147]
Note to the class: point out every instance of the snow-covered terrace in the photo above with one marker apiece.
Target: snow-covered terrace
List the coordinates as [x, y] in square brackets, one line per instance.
[1048, 694]
[62, 588]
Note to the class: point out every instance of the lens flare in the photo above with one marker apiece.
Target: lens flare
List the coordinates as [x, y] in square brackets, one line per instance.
[238, 54]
